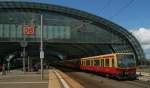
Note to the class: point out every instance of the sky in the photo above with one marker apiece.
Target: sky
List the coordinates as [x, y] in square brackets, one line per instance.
[134, 16]
[131, 14]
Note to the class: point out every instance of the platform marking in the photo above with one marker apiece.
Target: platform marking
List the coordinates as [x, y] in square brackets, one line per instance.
[62, 80]
[18, 75]
[22, 82]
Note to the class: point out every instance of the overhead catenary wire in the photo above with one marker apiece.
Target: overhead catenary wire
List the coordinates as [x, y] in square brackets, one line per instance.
[122, 9]
[105, 6]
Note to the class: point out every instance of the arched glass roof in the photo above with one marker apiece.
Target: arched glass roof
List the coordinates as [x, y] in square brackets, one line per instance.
[70, 32]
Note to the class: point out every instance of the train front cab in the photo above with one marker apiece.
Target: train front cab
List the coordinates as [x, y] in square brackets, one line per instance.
[126, 66]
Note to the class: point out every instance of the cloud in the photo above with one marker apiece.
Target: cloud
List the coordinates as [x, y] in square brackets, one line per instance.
[143, 35]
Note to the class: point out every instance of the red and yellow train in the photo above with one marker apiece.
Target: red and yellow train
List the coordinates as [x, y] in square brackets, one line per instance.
[116, 65]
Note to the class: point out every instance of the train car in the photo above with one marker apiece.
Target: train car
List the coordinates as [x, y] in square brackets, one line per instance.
[1, 67]
[73, 63]
[117, 65]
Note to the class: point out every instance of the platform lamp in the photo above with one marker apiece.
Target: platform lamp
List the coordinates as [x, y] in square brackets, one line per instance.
[24, 45]
[41, 48]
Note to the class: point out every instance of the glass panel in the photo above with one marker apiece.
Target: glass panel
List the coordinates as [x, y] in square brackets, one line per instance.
[102, 62]
[1, 30]
[6, 30]
[13, 31]
[62, 34]
[50, 32]
[38, 31]
[19, 31]
[67, 32]
[59, 28]
[96, 62]
[107, 62]
[84, 63]
[55, 32]
[45, 32]
[125, 60]
[87, 62]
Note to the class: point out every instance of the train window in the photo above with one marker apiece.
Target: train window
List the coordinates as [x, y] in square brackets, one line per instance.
[107, 62]
[112, 62]
[91, 62]
[84, 62]
[88, 62]
[96, 62]
[102, 62]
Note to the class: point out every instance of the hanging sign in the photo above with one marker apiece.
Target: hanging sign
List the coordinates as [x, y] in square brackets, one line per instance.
[28, 30]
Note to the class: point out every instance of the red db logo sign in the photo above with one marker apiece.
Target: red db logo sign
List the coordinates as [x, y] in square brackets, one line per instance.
[28, 30]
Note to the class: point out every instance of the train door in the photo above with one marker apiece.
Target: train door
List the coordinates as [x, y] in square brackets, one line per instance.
[96, 62]
[102, 62]
[112, 62]
[99, 58]
[107, 62]
[115, 60]
[92, 61]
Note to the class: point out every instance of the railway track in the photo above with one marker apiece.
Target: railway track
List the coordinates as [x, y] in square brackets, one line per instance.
[89, 80]
[139, 83]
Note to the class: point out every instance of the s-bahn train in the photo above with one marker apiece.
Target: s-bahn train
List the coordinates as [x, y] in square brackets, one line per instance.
[115, 65]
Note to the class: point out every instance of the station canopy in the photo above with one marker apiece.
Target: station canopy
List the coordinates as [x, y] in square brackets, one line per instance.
[67, 33]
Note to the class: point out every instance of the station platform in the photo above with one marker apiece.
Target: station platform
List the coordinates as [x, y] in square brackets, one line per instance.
[143, 76]
[53, 78]
[19, 79]
[58, 79]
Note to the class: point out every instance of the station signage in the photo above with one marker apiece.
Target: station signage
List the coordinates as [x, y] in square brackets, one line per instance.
[28, 30]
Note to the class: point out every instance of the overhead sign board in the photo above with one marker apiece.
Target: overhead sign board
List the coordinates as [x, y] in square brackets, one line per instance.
[28, 30]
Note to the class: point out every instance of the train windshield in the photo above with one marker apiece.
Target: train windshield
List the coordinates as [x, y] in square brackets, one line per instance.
[125, 60]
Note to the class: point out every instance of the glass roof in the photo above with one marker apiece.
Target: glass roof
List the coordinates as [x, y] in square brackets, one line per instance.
[85, 33]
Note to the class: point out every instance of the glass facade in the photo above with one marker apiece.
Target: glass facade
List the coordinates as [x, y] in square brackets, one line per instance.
[49, 32]
[85, 33]
[60, 28]
[56, 26]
